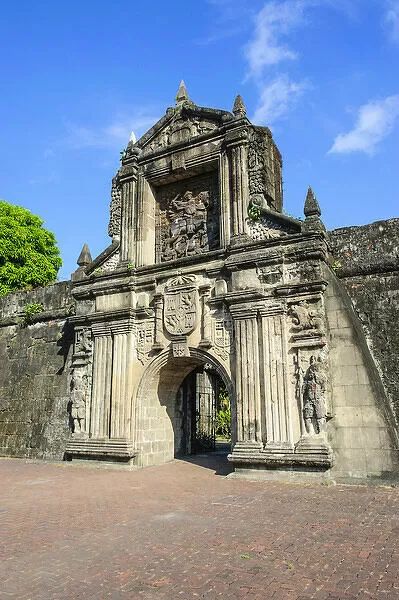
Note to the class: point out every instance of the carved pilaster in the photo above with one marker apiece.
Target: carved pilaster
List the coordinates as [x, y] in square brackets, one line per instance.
[249, 414]
[206, 334]
[237, 143]
[158, 323]
[275, 380]
[128, 202]
[121, 388]
[102, 377]
[225, 218]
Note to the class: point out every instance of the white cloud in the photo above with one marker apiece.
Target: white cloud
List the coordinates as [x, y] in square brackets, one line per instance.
[391, 19]
[273, 22]
[277, 98]
[374, 122]
[114, 135]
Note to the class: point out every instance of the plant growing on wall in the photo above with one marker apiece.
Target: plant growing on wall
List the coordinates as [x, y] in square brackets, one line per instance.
[30, 311]
[29, 256]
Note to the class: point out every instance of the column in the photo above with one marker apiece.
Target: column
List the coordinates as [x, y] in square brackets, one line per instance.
[102, 374]
[158, 327]
[206, 341]
[225, 216]
[274, 375]
[121, 390]
[129, 189]
[237, 144]
[248, 398]
[139, 241]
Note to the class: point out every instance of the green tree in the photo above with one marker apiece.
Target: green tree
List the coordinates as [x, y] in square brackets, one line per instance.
[29, 256]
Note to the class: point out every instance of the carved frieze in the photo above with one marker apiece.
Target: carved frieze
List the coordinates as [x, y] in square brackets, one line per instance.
[180, 129]
[180, 313]
[187, 220]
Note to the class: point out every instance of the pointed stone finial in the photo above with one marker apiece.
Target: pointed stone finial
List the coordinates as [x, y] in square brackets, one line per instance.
[239, 109]
[132, 138]
[182, 94]
[84, 257]
[312, 207]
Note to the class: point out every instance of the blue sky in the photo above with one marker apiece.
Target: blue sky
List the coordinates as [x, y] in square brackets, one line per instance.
[77, 77]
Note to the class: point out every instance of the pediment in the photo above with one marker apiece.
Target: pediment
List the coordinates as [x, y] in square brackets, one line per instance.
[181, 124]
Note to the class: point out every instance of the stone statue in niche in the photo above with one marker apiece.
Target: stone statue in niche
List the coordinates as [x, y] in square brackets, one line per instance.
[78, 404]
[187, 220]
[303, 317]
[313, 389]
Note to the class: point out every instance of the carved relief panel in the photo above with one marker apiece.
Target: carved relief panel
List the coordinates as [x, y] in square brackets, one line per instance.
[222, 333]
[187, 218]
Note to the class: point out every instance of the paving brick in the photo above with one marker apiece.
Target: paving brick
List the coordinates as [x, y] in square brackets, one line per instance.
[182, 530]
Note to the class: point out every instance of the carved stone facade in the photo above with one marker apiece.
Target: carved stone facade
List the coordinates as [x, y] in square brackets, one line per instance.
[205, 269]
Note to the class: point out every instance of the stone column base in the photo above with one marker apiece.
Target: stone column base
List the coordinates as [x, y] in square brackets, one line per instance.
[307, 457]
[119, 451]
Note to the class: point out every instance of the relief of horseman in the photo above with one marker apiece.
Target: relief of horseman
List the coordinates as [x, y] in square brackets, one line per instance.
[188, 233]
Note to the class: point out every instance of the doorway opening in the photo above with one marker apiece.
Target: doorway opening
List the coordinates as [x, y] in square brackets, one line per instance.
[206, 412]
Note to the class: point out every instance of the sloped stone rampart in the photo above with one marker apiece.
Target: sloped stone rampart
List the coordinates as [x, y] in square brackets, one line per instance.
[366, 259]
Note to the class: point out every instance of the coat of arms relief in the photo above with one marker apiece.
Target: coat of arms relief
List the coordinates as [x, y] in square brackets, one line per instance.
[181, 305]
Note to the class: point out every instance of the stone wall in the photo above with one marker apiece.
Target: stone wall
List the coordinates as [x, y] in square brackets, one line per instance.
[366, 260]
[34, 375]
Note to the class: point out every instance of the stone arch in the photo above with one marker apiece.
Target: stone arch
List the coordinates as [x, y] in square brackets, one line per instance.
[156, 402]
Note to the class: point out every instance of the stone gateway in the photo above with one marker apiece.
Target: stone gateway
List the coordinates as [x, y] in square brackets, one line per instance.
[208, 283]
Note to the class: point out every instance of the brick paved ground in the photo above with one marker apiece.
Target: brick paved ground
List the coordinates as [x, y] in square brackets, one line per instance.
[181, 531]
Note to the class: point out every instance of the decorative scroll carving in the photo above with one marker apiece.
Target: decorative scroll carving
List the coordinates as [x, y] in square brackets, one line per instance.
[181, 306]
[313, 400]
[114, 226]
[111, 263]
[187, 219]
[264, 229]
[222, 333]
[144, 340]
[304, 317]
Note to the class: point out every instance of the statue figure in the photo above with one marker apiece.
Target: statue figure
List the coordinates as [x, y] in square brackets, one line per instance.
[314, 409]
[187, 216]
[78, 406]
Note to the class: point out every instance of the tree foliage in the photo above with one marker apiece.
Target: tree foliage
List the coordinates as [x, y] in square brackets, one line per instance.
[29, 256]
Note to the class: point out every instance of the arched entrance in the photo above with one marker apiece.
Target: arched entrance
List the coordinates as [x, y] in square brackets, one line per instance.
[206, 412]
[176, 402]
